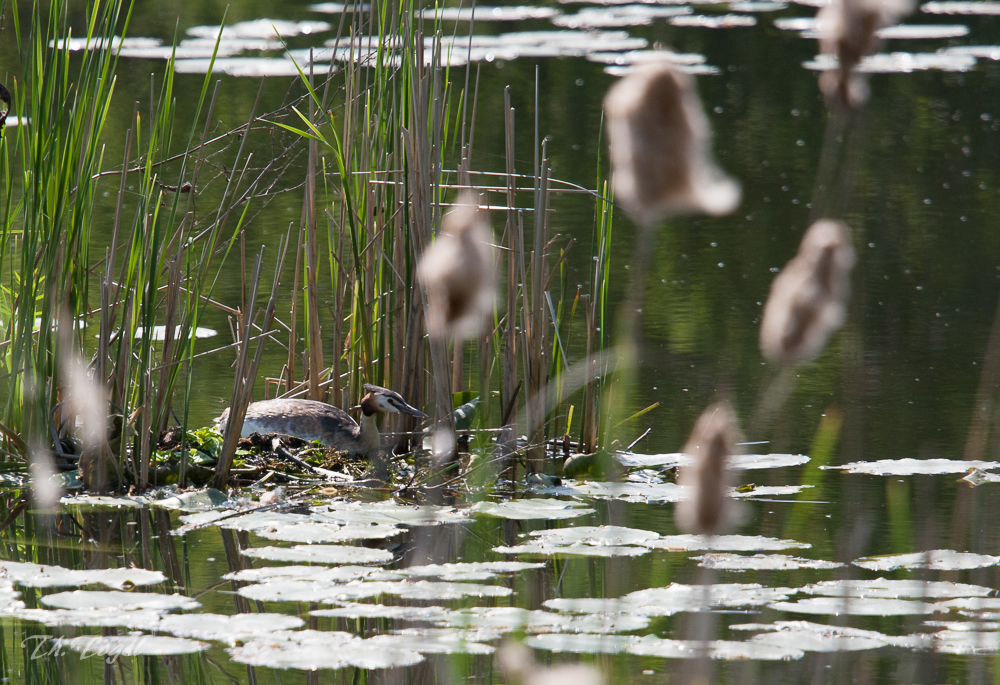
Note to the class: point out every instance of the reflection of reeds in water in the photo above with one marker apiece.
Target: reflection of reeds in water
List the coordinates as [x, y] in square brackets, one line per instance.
[708, 508]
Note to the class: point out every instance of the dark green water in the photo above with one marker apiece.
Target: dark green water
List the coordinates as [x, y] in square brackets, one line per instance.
[904, 371]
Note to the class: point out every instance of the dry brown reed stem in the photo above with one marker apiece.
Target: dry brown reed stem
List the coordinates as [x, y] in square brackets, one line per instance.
[808, 299]
[709, 509]
[660, 140]
[457, 272]
[848, 30]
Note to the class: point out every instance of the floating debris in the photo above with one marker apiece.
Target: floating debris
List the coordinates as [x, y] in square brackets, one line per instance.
[922, 31]
[910, 467]
[936, 559]
[762, 562]
[528, 509]
[961, 7]
[489, 13]
[260, 28]
[724, 21]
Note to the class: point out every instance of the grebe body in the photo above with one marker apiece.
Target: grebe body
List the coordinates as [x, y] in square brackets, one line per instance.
[311, 420]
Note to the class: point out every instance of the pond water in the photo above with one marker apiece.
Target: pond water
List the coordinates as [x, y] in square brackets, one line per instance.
[841, 571]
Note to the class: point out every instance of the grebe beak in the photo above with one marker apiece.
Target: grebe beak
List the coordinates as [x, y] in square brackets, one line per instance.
[412, 411]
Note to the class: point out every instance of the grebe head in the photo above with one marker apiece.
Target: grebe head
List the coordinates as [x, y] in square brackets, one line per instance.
[383, 400]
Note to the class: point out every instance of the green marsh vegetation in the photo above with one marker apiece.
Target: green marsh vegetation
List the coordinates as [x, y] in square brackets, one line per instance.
[366, 159]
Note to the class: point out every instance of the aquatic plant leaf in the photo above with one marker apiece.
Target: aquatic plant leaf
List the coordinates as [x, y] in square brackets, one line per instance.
[961, 7]
[389, 512]
[195, 500]
[594, 535]
[733, 543]
[322, 554]
[526, 509]
[673, 599]
[937, 559]
[121, 601]
[40, 575]
[815, 637]
[736, 462]
[313, 649]
[901, 62]
[621, 15]
[99, 43]
[260, 28]
[961, 642]
[433, 641]
[222, 628]
[131, 645]
[717, 649]
[141, 619]
[578, 549]
[511, 619]
[104, 502]
[324, 592]
[399, 613]
[909, 466]
[855, 606]
[339, 7]
[258, 520]
[880, 587]
[482, 570]
[922, 31]
[253, 67]
[324, 574]
[972, 604]
[761, 562]
[723, 21]
[489, 13]
[581, 643]
[326, 532]
[757, 6]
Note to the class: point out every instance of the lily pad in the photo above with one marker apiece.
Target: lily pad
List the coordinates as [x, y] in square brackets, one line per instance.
[762, 562]
[313, 649]
[581, 643]
[399, 613]
[430, 642]
[855, 606]
[483, 570]
[595, 535]
[937, 559]
[815, 637]
[120, 601]
[937, 589]
[41, 575]
[325, 574]
[673, 599]
[131, 645]
[230, 629]
[909, 467]
[309, 591]
[717, 649]
[387, 512]
[733, 543]
[527, 509]
[579, 549]
[739, 462]
[322, 554]
[327, 532]
[260, 28]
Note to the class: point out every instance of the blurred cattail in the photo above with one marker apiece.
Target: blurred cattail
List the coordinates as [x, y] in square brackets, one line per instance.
[659, 141]
[457, 271]
[519, 666]
[847, 30]
[808, 300]
[708, 510]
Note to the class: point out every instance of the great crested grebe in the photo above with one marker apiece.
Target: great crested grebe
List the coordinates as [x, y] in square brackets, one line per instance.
[330, 425]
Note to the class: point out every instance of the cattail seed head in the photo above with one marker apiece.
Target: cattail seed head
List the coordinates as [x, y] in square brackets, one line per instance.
[808, 300]
[848, 29]
[458, 274]
[708, 510]
[659, 141]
